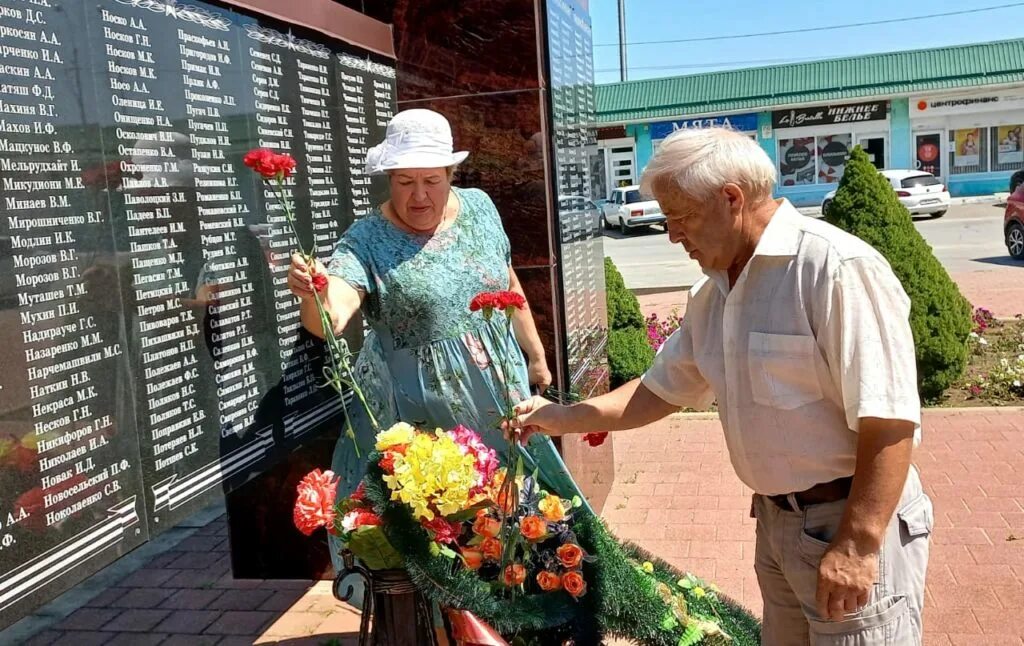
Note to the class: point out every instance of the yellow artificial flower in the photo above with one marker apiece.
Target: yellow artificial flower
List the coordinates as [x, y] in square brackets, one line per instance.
[648, 567]
[400, 433]
[433, 474]
[552, 508]
[699, 592]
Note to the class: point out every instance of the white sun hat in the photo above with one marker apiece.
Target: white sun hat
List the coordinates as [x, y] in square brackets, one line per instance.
[415, 139]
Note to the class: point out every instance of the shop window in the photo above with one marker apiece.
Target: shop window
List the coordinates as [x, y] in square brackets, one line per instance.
[968, 150]
[813, 160]
[833, 152]
[798, 161]
[1007, 148]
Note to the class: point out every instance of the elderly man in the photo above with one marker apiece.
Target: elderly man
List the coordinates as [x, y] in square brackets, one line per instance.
[800, 332]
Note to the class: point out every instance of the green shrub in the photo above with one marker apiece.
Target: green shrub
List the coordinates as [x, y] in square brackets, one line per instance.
[940, 317]
[623, 308]
[629, 355]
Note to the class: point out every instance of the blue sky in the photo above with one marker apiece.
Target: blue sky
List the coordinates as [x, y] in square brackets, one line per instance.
[675, 19]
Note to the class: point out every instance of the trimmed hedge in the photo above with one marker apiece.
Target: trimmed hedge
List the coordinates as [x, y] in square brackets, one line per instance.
[629, 355]
[940, 317]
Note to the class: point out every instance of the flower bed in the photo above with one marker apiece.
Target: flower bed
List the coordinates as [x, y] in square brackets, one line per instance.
[995, 370]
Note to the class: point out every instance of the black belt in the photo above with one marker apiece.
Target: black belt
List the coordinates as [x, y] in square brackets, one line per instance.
[816, 495]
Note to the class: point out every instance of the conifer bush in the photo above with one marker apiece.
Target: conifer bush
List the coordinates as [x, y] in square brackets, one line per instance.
[940, 317]
[623, 308]
[629, 353]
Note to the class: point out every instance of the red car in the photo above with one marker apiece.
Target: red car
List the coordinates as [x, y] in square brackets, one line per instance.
[1013, 224]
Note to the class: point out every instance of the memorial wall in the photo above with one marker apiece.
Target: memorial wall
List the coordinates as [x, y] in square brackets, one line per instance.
[571, 65]
[151, 355]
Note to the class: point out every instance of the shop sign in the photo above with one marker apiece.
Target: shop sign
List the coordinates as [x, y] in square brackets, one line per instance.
[830, 114]
[966, 103]
[741, 122]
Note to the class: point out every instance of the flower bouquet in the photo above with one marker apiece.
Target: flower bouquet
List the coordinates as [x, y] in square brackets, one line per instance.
[507, 560]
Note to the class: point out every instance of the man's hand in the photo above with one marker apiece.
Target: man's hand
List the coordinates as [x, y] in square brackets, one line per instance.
[537, 415]
[539, 375]
[845, 578]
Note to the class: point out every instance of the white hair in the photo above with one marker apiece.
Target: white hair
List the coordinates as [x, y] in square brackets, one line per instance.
[700, 161]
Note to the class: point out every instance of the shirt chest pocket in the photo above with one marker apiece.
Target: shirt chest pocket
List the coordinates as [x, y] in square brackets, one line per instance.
[783, 371]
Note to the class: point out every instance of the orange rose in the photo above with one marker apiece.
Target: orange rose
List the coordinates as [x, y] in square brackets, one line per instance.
[574, 584]
[472, 558]
[514, 575]
[533, 528]
[570, 555]
[549, 581]
[486, 527]
[507, 501]
[491, 548]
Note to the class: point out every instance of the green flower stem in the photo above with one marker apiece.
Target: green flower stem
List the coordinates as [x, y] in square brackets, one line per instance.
[509, 488]
[339, 373]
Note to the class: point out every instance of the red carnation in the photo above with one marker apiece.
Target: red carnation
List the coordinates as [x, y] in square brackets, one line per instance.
[314, 506]
[367, 518]
[443, 531]
[387, 463]
[269, 164]
[507, 299]
[319, 282]
[285, 164]
[483, 301]
[359, 495]
[503, 300]
[595, 439]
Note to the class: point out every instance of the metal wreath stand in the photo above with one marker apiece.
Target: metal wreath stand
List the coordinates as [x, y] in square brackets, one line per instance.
[394, 612]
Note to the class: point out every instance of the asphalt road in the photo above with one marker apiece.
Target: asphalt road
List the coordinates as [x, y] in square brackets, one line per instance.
[968, 238]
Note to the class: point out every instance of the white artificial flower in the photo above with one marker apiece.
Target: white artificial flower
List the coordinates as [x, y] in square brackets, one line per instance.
[348, 523]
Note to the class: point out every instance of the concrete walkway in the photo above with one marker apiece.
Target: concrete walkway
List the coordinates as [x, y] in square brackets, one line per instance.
[675, 494]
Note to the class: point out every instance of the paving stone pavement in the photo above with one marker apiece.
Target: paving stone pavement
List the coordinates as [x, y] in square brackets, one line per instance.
[675, 494]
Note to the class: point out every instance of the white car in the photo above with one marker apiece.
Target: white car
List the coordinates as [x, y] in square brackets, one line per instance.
[922, 193]
[626, 210]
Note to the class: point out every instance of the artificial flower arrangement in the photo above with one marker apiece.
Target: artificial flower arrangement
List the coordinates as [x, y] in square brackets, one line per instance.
[482, 539]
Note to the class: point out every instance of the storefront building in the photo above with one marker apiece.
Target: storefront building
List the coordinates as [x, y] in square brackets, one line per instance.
[973, 140]
[956, 112]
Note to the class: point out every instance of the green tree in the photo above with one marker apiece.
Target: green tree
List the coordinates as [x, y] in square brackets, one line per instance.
[940, 317]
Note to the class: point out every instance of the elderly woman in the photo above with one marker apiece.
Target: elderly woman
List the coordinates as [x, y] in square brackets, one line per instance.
[413, 266]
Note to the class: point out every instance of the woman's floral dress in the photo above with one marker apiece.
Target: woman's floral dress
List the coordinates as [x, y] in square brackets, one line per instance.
[428, 360]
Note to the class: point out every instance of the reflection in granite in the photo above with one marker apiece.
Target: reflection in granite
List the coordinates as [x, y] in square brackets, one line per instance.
[537, 283]
[264, 541]
[452, 48]
[593, 467]
[506, 159]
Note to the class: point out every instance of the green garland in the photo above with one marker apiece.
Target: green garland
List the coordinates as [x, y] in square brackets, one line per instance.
[622, 599]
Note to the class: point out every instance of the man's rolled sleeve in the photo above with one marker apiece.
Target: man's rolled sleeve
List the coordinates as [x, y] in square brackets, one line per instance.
[674, 376]
[869, 344]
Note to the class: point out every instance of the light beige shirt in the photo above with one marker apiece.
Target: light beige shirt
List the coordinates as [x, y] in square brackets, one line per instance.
[814, 336]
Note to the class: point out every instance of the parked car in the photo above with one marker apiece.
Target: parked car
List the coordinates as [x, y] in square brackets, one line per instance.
[922, 193]
[627, 210]
[1013, 224]
[1016, 180]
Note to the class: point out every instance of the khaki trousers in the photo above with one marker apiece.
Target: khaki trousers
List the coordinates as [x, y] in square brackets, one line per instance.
[789, 548]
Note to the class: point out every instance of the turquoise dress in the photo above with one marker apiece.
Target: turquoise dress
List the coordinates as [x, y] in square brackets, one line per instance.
[427, 360]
